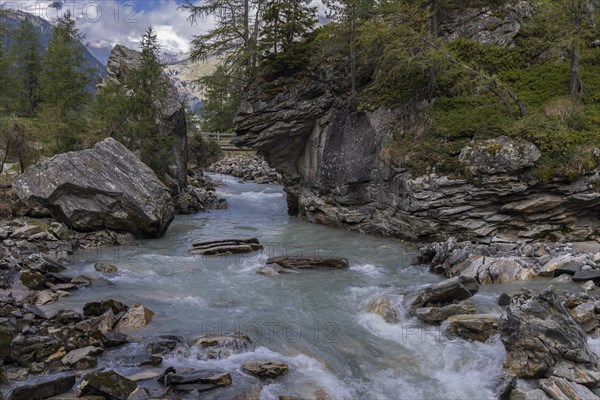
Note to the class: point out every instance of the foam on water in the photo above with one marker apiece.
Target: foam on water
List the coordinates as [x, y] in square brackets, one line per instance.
[309, 375]
[444, 362]
[368, 269]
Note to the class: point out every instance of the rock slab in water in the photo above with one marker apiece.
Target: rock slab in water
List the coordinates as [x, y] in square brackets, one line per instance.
[105, 187]
[478, 327]
[445, 292]
[382, 306]
[266, 369]
[539, 335]
[46, 387]
[314, 262]
[218, 346]
[226, 246]
[435, 315]
[195, 380]
[108, 384]
[106, 268]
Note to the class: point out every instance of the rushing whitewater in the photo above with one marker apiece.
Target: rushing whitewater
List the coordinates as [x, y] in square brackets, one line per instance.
[315, 321]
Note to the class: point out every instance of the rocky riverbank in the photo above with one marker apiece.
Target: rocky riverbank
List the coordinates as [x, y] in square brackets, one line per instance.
[547, 334]
[514, 261]
[251, 169]
[46, 353]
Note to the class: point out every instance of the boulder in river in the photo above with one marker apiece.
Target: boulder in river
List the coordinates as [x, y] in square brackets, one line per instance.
[478, 327]
[106, 268]
[383, 307]
[226, 246]
[445, 292]
[218, 346]
[435, 315]
[194, 380]
[266, 369]
[105, 187]
[136, 317]
[542, 339]
[310, 262]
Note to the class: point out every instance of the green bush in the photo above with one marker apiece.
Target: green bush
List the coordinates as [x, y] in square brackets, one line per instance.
[204, 152]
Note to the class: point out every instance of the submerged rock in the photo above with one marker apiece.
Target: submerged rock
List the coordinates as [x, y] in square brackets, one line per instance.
[215, 346]
[383, 307]
[539, 334]
[308, 262]
[105, 187]
[106, 268]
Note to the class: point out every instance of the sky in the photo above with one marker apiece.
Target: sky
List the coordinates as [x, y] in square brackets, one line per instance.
[108, 22]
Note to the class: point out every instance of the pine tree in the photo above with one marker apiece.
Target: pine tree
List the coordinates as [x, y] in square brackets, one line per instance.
[28, 64]
[234, 37]
[7, 79]
[350, 13]
[64, 79]
[222, 96]
[285, 21]
[131, 110]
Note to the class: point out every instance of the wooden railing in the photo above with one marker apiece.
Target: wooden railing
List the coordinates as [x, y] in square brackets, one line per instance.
[224, 140]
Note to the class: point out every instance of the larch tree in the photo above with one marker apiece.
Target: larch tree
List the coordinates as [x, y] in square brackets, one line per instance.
[285, 21]
[28, 64]
[64, 78]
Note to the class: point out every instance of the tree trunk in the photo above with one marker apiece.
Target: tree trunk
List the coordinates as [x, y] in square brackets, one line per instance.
[575, 87]
[574, 79]
[353, 54]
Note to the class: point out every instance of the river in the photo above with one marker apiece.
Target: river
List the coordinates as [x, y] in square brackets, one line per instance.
[315, 321]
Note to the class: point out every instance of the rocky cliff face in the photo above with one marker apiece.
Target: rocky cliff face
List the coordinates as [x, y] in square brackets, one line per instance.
[173, 123]
[336, 171]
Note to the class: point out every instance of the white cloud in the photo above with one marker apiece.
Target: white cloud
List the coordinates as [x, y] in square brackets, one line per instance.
[106, 23]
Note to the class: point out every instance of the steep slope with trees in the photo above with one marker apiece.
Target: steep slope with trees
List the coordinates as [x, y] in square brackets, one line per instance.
[421, 119]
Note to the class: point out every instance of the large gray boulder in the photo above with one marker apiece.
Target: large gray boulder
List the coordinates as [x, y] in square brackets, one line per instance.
[499, 155]
[105, 187]
[172, 123]
[542, 339]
